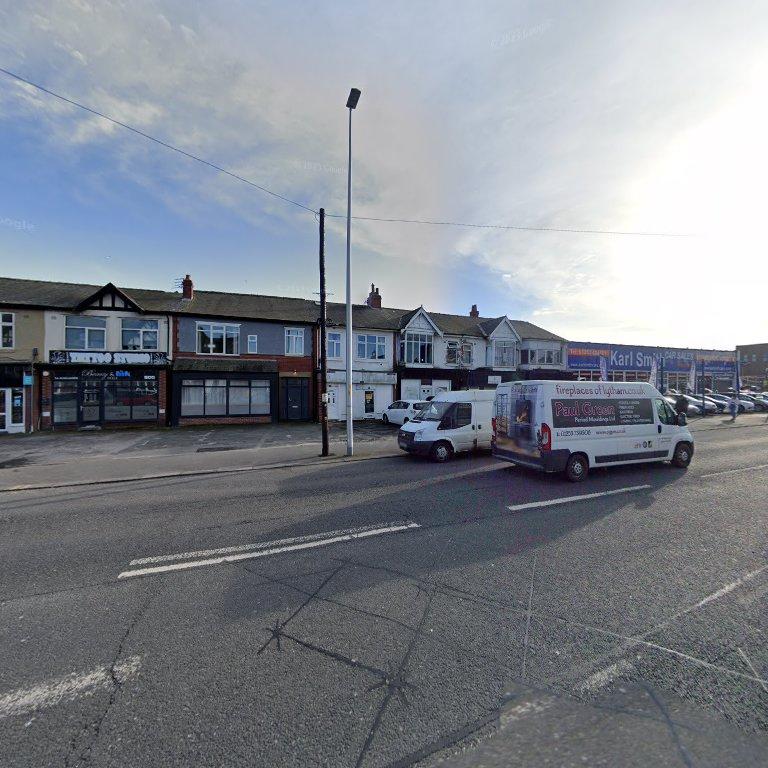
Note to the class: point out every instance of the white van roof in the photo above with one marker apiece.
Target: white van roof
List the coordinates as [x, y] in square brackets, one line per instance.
[465, 396]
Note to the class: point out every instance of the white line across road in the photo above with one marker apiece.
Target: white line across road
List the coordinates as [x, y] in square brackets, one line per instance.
[571, 499]
[252, 551]
[66, 688]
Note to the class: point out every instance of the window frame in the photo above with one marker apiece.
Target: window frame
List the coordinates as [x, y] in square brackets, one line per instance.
[294, 333]
[87, 328]
[414, 340]
[8, 324]
[329, 341]
[206, 385]
[378, 341]
[510, 346]
[141, 332]
[252, 337]
[225, 329]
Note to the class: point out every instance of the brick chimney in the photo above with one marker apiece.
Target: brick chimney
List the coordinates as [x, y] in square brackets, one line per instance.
[374, 298]
[472, 312]
[187, 289]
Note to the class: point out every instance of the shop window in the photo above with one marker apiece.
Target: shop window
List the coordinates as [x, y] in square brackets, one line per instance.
[7, 330]
[225, 397]
[64, 402]
[130, 400]
[218, 339]
[84, 332]
[294, 341]
[139, 334]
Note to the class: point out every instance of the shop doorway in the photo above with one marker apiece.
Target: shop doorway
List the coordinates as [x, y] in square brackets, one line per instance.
[12, 409]
[90, 401]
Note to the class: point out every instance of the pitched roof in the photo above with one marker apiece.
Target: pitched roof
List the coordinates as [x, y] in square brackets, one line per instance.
[44, 294]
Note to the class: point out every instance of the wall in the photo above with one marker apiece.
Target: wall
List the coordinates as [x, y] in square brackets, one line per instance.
[29, 330]
[271, 336]
[55, 325]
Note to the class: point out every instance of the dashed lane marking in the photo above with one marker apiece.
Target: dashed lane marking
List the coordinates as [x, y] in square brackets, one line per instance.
[271, 548]
[570, 499]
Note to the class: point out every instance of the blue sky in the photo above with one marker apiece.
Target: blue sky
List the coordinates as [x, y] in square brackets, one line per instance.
[589, 115]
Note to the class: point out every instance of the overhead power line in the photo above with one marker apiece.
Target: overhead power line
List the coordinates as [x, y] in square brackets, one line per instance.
[512, 226]
[156, 140]
[232, 174]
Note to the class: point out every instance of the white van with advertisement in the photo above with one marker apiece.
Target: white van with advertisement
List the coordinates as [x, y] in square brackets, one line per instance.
[572, 426]
[451, 422]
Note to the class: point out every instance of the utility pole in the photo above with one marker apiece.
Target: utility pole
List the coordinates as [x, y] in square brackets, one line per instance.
[354, 96]
[323, 340]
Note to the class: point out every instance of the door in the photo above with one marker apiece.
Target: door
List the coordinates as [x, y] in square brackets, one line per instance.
[14, 410]
[667, 426]
[296, 399]
[334, 413]
[464, 432]
[3, 410]
[90, 401]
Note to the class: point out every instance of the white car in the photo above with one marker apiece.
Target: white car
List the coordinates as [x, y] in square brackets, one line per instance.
[402, 411]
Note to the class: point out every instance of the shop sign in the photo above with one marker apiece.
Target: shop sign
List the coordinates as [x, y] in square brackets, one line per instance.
[63, 357]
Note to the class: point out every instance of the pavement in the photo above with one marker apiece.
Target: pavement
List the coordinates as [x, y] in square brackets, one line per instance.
[390, 613]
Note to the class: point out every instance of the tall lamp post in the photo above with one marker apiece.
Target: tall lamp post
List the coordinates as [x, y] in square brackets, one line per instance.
[354, 97]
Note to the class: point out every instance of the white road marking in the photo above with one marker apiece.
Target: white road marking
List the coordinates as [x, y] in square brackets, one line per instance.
[519, 711]
[754, 671]
[58, 689]
[734, 471]
[205, 553]
[333, 537]
[725, 590]
[569, 499]
[602, 677]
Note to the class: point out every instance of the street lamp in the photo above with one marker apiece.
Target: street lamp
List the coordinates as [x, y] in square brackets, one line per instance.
[354, 96]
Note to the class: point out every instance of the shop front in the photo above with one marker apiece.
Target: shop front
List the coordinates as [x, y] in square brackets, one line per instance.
[15, 398]
[675, 368]
[372, 393]
[75, 398]
[224, 392]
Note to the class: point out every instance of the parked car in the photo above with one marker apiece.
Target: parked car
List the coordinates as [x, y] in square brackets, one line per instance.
[708, 405]
[759, 404]
[402, 411]
[693, 410]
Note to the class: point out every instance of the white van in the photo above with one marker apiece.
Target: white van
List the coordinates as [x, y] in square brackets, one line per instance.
[451, 422]
[570, 426]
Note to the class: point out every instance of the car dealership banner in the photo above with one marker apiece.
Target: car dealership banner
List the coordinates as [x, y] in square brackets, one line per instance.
[584, 356]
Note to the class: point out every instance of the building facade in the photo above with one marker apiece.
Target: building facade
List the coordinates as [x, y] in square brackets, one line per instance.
[753, 365]
[678, 368]
[22, 332]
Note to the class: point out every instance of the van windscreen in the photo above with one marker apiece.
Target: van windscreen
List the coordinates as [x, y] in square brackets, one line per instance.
[432, 412]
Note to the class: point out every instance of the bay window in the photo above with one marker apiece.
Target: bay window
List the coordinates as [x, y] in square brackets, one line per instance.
[504, 354]
[218, 339]
[370, 347]
[139, 334]
[418, 348]
[83, 332]
[294, 341]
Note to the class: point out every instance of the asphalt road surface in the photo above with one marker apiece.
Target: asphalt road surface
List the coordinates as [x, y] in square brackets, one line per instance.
[392, 612]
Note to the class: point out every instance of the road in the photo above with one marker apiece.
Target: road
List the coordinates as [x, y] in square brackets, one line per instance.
[392, 612]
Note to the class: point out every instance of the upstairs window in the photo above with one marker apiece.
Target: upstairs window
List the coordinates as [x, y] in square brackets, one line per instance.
[458, 354]
[7, 331]
[294, 341]
[218, 339]
[418, 348]
[84, 332]
[525, 356]
[504, 354]
[371, 347]
[253, 344]
[139, 334]
[334, 345]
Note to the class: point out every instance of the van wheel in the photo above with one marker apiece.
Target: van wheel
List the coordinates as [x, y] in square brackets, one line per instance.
[577, 468]
[385, 418]
[682, 455]
[441, 452]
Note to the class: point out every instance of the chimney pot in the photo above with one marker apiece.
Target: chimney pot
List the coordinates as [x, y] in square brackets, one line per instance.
[474, 311]
[187, 288]
[374, 298]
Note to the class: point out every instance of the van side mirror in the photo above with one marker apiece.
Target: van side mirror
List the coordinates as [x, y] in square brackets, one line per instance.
[682, 419]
